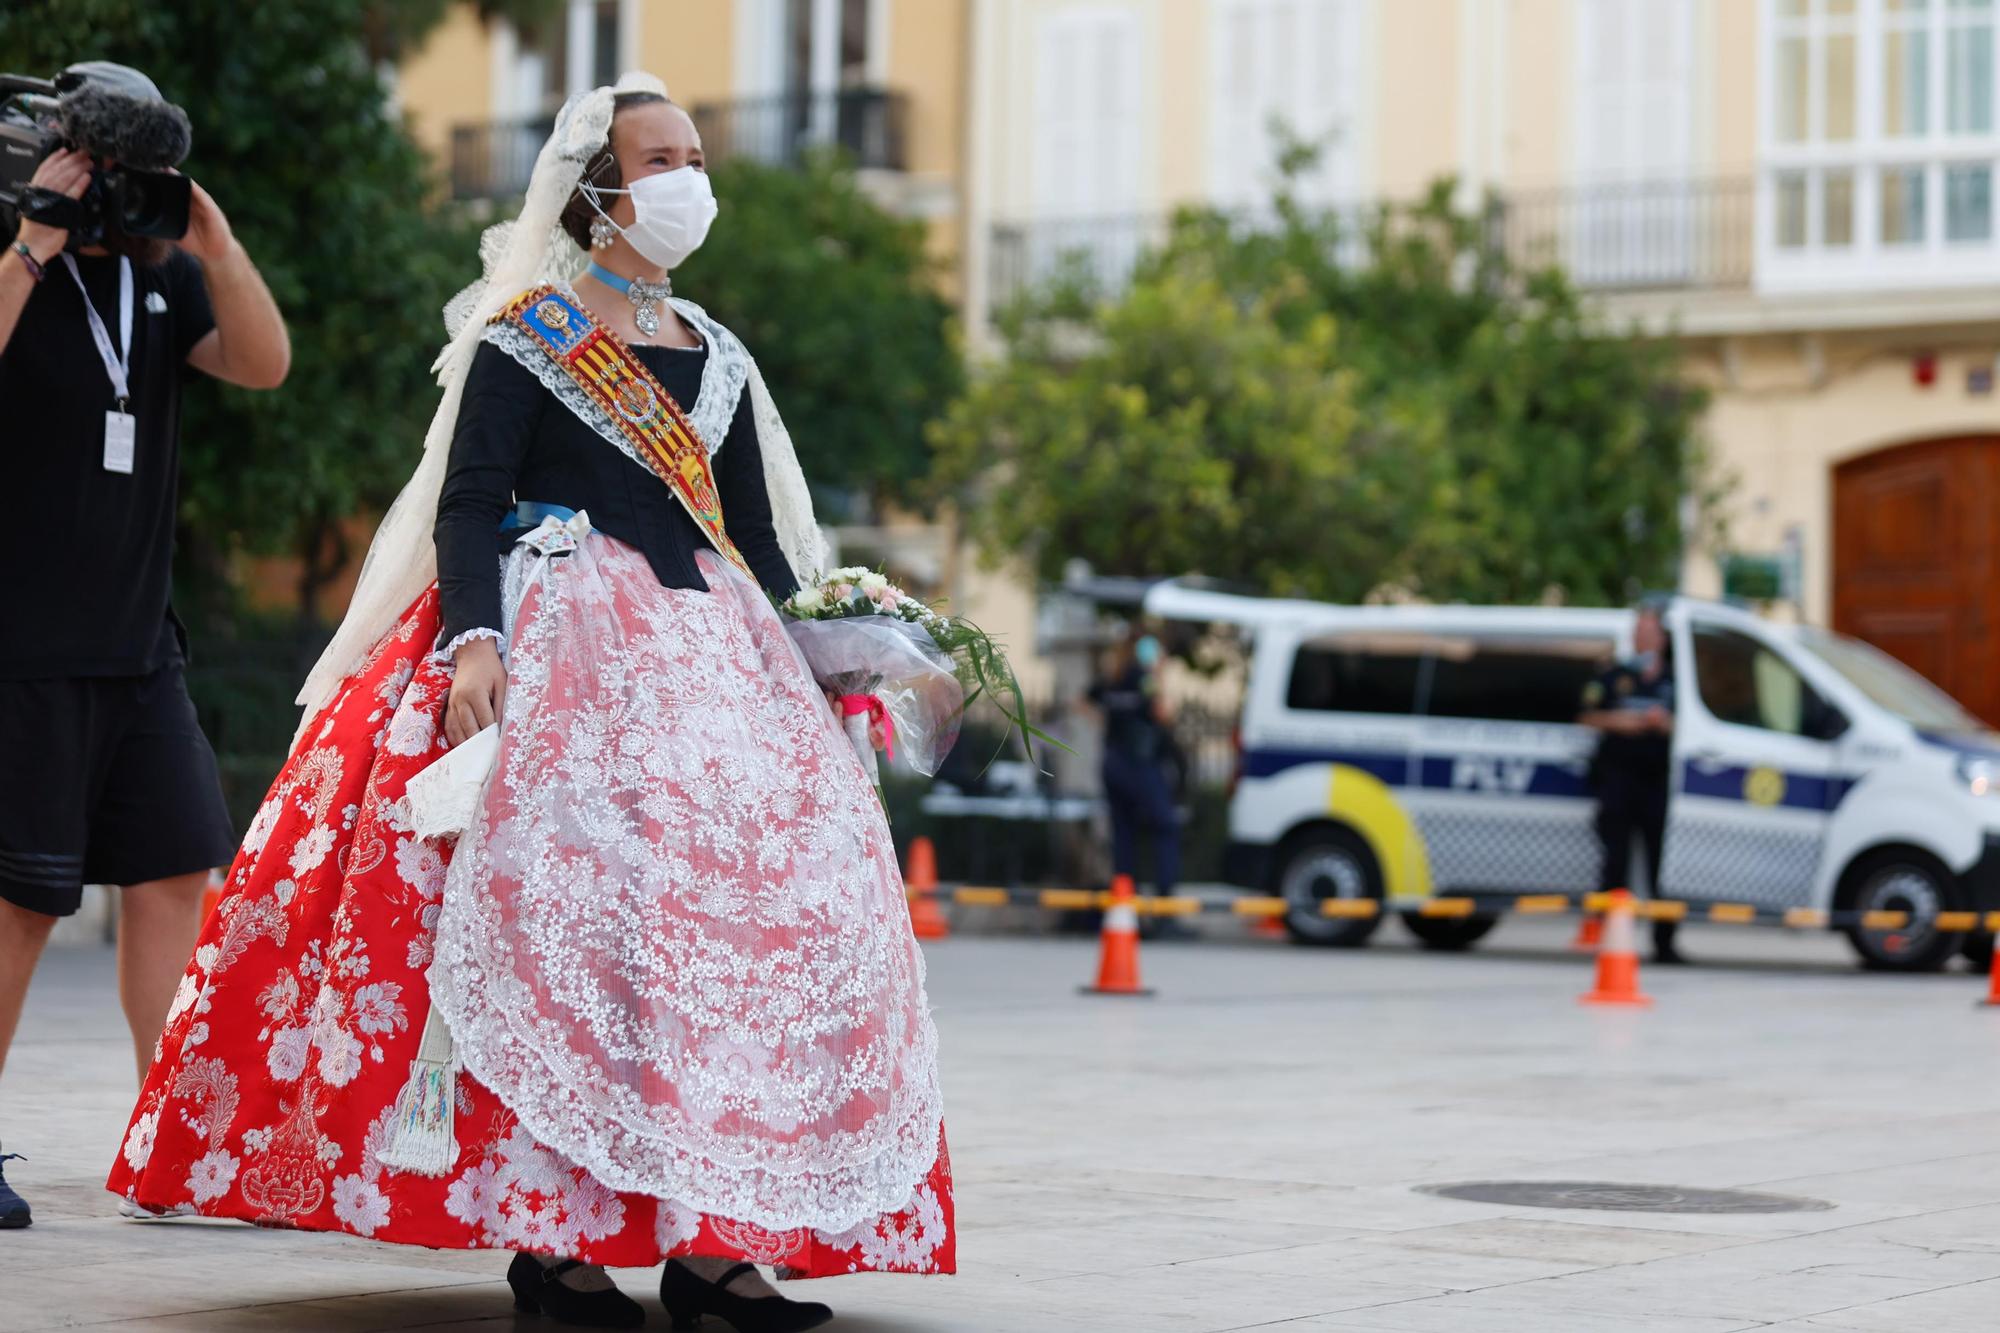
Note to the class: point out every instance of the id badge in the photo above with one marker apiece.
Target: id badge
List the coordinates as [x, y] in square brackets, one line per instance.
[120, 441]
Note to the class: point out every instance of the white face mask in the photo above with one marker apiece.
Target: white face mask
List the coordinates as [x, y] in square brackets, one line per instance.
[671, 213]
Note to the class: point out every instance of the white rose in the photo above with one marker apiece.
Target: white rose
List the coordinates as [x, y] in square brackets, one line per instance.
[872, 583]
[808, 600]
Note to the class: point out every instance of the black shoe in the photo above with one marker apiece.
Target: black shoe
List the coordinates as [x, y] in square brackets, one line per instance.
[13, 1208]
[537, 1289]
[688, 1298]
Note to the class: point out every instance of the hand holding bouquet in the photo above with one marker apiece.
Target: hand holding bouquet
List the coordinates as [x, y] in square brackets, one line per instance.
[897, 669]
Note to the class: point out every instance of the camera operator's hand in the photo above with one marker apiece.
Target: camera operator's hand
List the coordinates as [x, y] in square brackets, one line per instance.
[478, 691]
[209, 237]
[65, 172]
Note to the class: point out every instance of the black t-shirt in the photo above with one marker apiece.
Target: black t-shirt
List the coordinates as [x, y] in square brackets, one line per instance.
[1130, 728]
[89, 593]
[1624, 688]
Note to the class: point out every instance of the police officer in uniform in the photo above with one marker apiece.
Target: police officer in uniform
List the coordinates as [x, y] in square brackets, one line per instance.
[1631, 707]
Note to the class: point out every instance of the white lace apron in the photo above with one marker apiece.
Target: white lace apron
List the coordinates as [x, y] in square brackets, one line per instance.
[675, 943]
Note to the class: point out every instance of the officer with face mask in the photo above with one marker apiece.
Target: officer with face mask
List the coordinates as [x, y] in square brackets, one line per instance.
[1631, 707]
[1138, 747]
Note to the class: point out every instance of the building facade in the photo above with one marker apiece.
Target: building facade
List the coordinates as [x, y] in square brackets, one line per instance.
[1801, 190]
[764, 78]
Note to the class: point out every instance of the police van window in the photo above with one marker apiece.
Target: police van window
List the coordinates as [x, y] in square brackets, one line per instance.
[1743, 682]
[1354, 675]
[1514, 680]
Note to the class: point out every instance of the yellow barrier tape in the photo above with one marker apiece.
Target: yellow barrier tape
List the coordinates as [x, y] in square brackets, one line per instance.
[977, 897]
[1543, 904]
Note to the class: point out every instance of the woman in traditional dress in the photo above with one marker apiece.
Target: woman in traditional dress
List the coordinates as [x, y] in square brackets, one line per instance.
[659, 1000]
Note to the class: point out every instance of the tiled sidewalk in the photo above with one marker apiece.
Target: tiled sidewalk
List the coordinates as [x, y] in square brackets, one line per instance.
[1242, 1151]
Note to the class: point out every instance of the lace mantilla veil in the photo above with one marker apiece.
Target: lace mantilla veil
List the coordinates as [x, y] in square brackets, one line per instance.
[533, 248]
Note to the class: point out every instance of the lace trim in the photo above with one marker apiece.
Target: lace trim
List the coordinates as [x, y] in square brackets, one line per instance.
[473, 636]
[722, 376]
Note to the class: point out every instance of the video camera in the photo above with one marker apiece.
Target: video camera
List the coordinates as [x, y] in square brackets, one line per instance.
[111, 112]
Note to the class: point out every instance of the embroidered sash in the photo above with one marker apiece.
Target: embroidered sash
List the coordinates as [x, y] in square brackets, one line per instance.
[614, 378]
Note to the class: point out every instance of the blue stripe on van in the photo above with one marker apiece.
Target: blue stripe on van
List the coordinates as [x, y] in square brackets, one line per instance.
[1497, 775]
[1803, 791]
[1973, 744]
[1504, 776]
[1392, 768]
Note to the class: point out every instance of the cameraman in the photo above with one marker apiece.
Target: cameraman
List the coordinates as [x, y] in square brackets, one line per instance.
[107, 777]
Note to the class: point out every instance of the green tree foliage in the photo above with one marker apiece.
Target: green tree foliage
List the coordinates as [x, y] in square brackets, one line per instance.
[293, 137]
[836, 299]
[1334, 409]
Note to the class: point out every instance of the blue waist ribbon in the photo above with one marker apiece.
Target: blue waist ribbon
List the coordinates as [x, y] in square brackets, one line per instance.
[528, 515]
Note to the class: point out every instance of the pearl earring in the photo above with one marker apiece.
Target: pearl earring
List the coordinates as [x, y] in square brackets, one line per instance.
[602, 232]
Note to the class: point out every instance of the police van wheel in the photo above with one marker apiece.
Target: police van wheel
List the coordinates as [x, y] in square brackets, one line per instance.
[1907, 881]
[1448, 934]
[1323, 863]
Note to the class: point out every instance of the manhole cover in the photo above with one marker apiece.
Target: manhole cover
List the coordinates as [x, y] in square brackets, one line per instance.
[1623, 1198]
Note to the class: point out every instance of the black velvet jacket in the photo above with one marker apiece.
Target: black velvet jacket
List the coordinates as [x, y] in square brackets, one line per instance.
[515, 441]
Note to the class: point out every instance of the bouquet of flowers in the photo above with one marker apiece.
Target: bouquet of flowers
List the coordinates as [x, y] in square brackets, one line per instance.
[901, 674]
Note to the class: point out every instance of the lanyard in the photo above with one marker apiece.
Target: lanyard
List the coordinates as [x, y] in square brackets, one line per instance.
[116, 360]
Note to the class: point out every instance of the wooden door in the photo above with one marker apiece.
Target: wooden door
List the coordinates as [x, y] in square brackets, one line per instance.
[1916, 566]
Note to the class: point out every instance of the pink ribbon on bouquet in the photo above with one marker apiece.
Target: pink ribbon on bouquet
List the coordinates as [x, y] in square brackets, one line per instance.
[853, 704]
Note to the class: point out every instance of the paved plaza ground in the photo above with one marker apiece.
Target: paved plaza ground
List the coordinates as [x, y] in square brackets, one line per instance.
[1245, 1151]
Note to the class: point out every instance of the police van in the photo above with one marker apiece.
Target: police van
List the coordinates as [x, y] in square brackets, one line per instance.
[1407, 752]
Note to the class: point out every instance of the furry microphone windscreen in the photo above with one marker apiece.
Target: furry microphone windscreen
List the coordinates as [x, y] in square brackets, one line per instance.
[134, 131]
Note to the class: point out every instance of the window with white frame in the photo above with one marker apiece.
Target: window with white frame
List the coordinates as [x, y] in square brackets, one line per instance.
[805, 69]
[1635, 195]
[1880, 142]
[1087, 142]
[1295, 64]
[579, 47]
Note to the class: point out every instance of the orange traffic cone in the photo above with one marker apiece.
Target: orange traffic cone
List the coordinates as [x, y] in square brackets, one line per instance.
[1118, 945]
[1589, 933]
[926, 916]
[211, 895]
[1993, 981]
[1618, 958]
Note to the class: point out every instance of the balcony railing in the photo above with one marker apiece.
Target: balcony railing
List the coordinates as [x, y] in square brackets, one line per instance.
[868, 124]
[1681, 235]
[494, 160]
[1685, 235]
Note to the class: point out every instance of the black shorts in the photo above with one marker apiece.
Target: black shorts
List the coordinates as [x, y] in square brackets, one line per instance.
[105, 780]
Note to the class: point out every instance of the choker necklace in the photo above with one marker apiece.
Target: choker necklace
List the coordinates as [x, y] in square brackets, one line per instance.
[644, 296]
